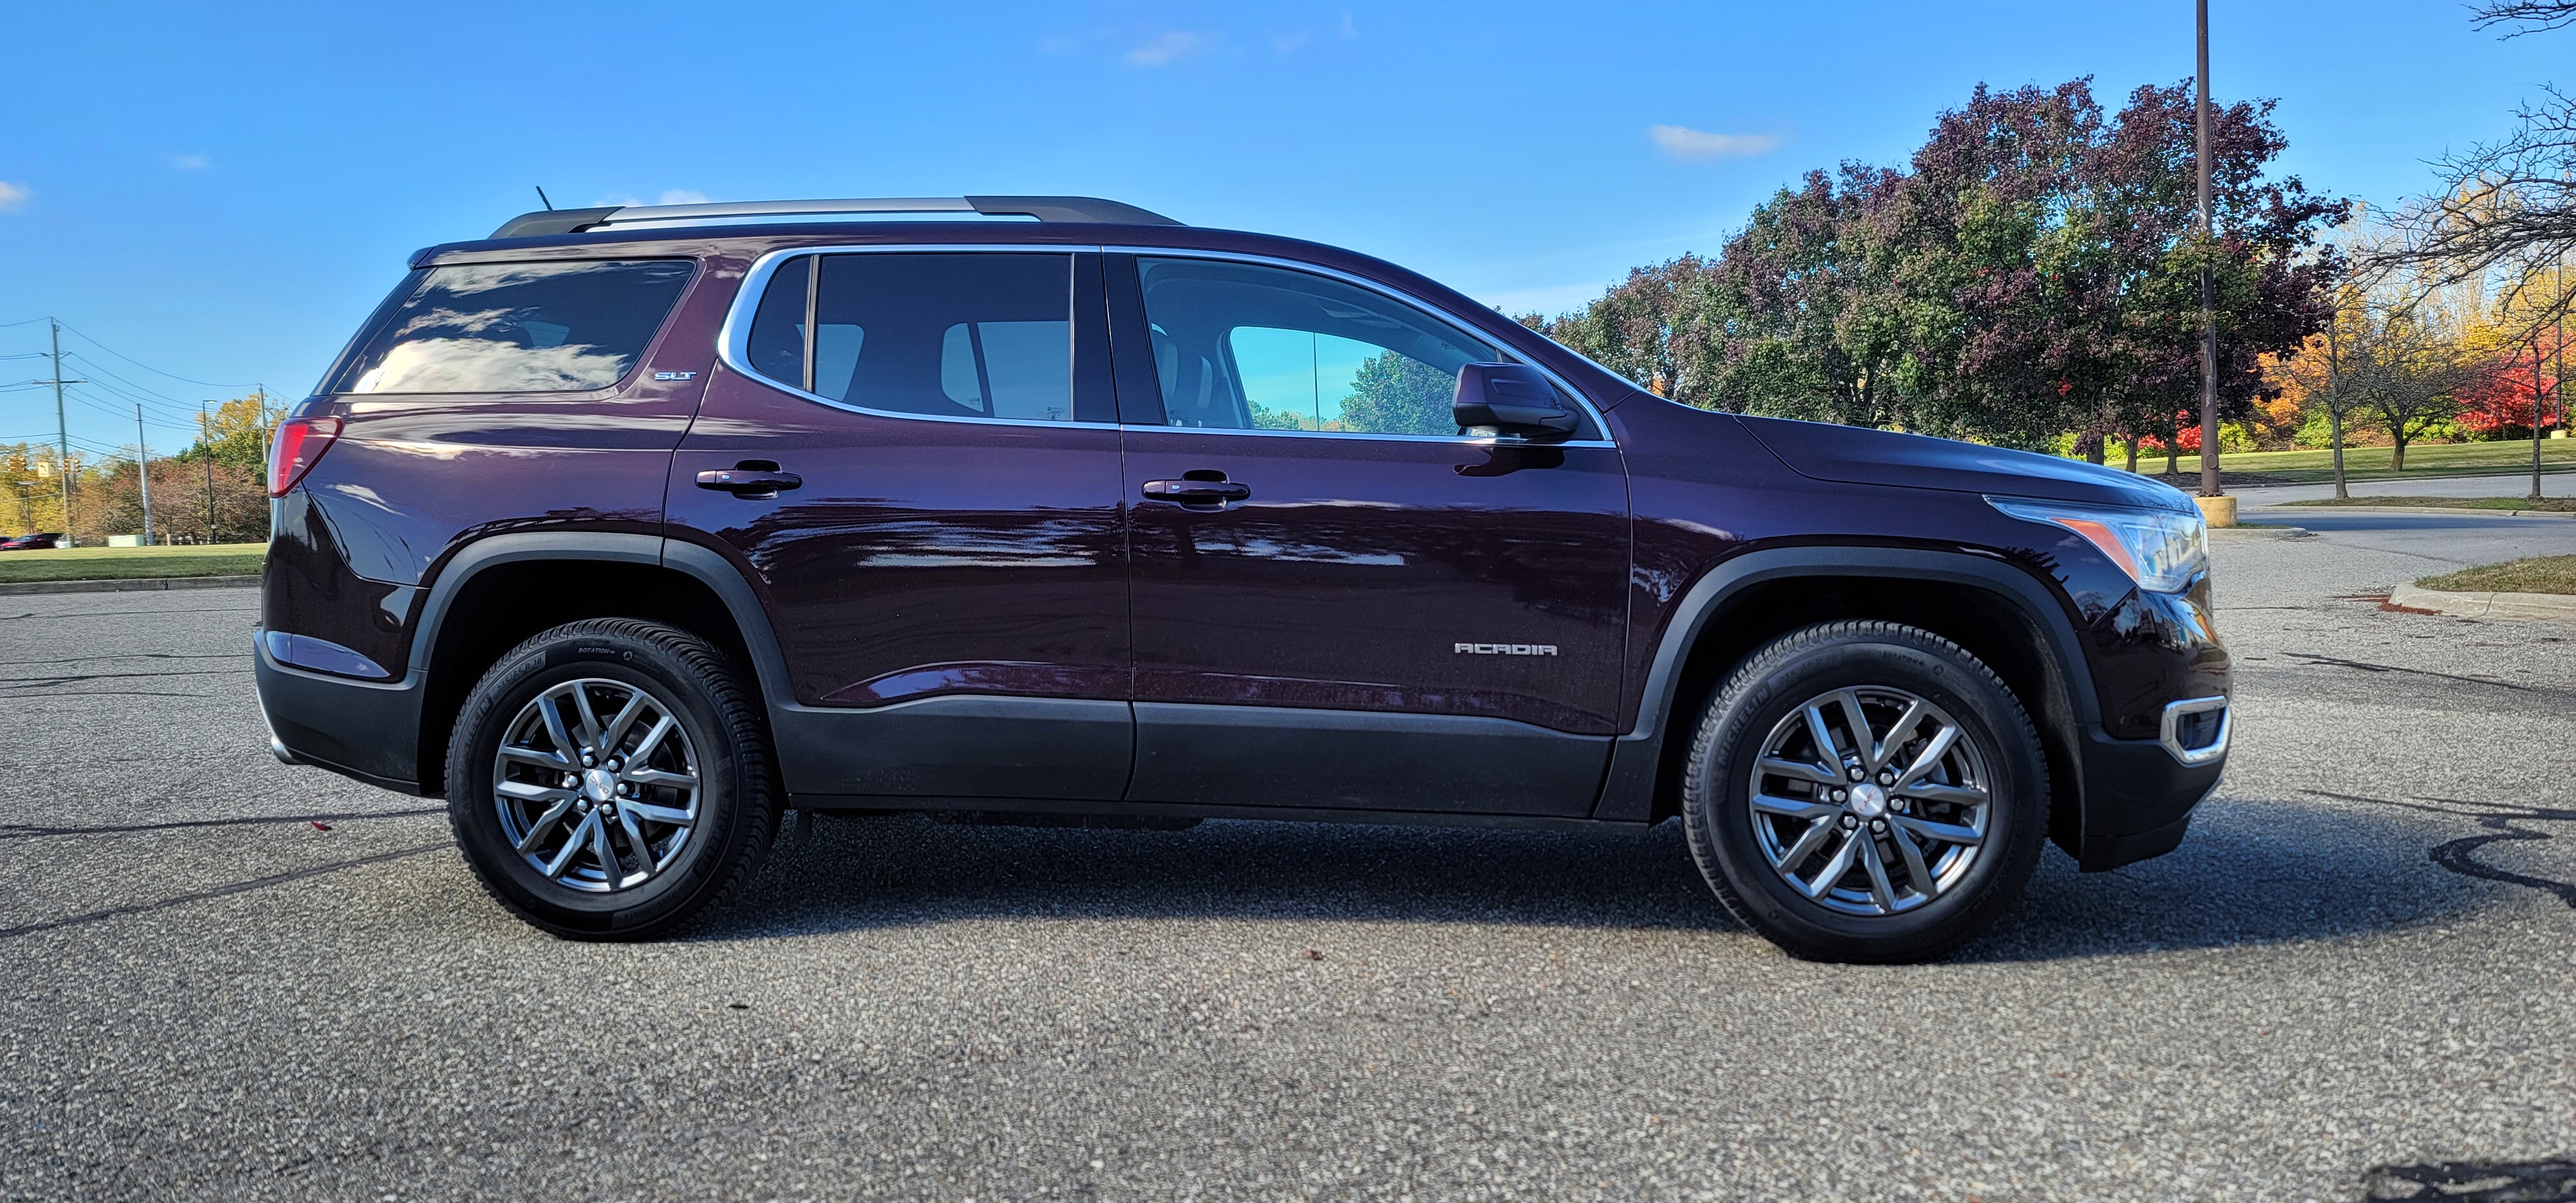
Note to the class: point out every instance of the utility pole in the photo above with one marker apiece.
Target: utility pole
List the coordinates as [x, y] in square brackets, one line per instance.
[143, 472]
[62, 431]
[2208, 300]
[206, 452]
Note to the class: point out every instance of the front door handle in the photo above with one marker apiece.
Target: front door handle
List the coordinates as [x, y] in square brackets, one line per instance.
[751, 480]
[1197, 492]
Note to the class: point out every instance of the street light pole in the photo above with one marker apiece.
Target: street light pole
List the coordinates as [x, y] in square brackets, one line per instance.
[2208, 300]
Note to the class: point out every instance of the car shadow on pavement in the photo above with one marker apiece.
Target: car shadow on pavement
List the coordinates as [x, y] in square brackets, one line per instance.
[2251, 872]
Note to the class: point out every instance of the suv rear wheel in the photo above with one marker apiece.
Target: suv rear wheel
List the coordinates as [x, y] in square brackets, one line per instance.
[1865, 791]
[609, 779]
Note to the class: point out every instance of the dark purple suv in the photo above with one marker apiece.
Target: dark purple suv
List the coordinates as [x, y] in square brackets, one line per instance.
[628, 529]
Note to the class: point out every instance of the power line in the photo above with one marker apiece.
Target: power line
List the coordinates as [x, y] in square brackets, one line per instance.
[149, 368]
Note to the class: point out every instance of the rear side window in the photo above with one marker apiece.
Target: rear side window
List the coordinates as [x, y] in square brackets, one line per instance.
[973, 335]
[517, 328]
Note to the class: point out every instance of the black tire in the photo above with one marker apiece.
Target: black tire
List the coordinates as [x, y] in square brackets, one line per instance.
[1775, 683]
[698, 686]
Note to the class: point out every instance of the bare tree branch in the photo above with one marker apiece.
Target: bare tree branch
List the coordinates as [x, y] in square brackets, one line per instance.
[2532, 15]
[2506, 212]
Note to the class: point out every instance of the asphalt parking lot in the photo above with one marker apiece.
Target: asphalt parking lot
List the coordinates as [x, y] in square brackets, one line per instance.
[224, 978]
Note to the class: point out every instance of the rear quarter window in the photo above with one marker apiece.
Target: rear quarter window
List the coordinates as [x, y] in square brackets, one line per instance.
[516, 328]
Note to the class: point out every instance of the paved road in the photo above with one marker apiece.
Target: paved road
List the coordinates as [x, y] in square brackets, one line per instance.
[2439, 541]
[2364, 956]
[2558, 481]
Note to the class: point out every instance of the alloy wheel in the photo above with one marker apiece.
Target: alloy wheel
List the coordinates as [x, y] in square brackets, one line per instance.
[1870, 800]
[597, 785]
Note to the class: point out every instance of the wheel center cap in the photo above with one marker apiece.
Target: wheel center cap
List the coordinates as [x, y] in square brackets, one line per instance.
[1868, 800]
[599, 785]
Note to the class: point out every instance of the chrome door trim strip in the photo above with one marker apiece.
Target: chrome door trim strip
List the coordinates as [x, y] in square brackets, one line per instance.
[733, 342]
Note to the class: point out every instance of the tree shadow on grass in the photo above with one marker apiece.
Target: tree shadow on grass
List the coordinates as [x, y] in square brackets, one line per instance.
[2250, 872]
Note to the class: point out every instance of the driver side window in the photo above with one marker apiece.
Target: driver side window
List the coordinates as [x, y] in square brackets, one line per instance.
[1248, 347]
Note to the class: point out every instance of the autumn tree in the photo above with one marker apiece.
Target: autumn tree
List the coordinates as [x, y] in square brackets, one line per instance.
[2406, 367]
[2505, 210]
[1809, 324]
[2033, 270]
[1655, 328]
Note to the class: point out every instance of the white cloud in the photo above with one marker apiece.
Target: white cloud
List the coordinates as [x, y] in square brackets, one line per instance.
[13, 195]
[1291, 43]
[1169, 48]
[1056, 43]
[683, 196]
[191, 162]
[1694, 146]
[1347, 28]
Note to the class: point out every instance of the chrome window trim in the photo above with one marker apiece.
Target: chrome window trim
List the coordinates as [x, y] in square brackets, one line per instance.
[1168, 252]
[2175, 712]
[733, 341]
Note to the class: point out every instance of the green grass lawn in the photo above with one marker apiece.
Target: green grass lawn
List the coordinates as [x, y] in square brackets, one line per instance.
[2548, 574]
[124, 563]
[2369, 463]
[2561, 505]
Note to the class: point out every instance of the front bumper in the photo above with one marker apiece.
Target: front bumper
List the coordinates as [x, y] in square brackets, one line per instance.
[2138, 799]
[363, 729]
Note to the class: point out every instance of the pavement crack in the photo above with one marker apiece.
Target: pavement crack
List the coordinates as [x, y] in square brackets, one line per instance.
[2475, 1181]
[239, 887]
[38, 682]
[2368, 667]
[22, 831]
[126, 656]
[2458, 856]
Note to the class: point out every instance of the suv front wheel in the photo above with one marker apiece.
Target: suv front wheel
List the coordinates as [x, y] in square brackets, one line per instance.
[609, 779]
[1866, 792]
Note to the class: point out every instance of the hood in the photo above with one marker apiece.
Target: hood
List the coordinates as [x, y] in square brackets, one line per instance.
[1860, 455]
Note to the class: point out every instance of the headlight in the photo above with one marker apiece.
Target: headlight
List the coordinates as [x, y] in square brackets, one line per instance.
[2161, 550]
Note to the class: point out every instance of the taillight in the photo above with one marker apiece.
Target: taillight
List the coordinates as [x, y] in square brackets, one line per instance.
[299, 445]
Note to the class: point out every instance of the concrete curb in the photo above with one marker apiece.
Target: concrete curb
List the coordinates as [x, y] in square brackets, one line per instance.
[2547, 607]
[134, 585]
[2424, 509]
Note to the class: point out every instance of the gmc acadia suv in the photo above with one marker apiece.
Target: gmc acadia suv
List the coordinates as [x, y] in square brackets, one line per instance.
[628, 529]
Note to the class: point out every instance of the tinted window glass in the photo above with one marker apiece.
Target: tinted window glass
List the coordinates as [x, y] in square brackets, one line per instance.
[518, 328]
[952, 335]
[1242, 346]
[778, 326]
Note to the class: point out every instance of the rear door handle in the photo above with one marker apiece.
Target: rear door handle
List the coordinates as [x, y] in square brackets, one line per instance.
[1197, 492]
[749, 482]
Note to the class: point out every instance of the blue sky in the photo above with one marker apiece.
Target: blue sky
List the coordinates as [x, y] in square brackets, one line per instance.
[222, 191]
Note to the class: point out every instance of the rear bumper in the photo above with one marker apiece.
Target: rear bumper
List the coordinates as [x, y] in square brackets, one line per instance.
[2138, 800]
[363, 729]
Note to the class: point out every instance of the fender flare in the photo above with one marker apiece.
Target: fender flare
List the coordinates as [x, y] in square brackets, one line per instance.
[1636, 758]
[751, 619]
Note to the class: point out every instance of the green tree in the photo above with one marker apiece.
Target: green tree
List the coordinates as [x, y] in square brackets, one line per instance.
[1396, 394]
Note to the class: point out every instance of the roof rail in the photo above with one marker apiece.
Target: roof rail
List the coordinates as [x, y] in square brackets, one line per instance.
[1044, 208]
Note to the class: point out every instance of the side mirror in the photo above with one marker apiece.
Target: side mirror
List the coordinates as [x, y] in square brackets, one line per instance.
[1512, 397]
